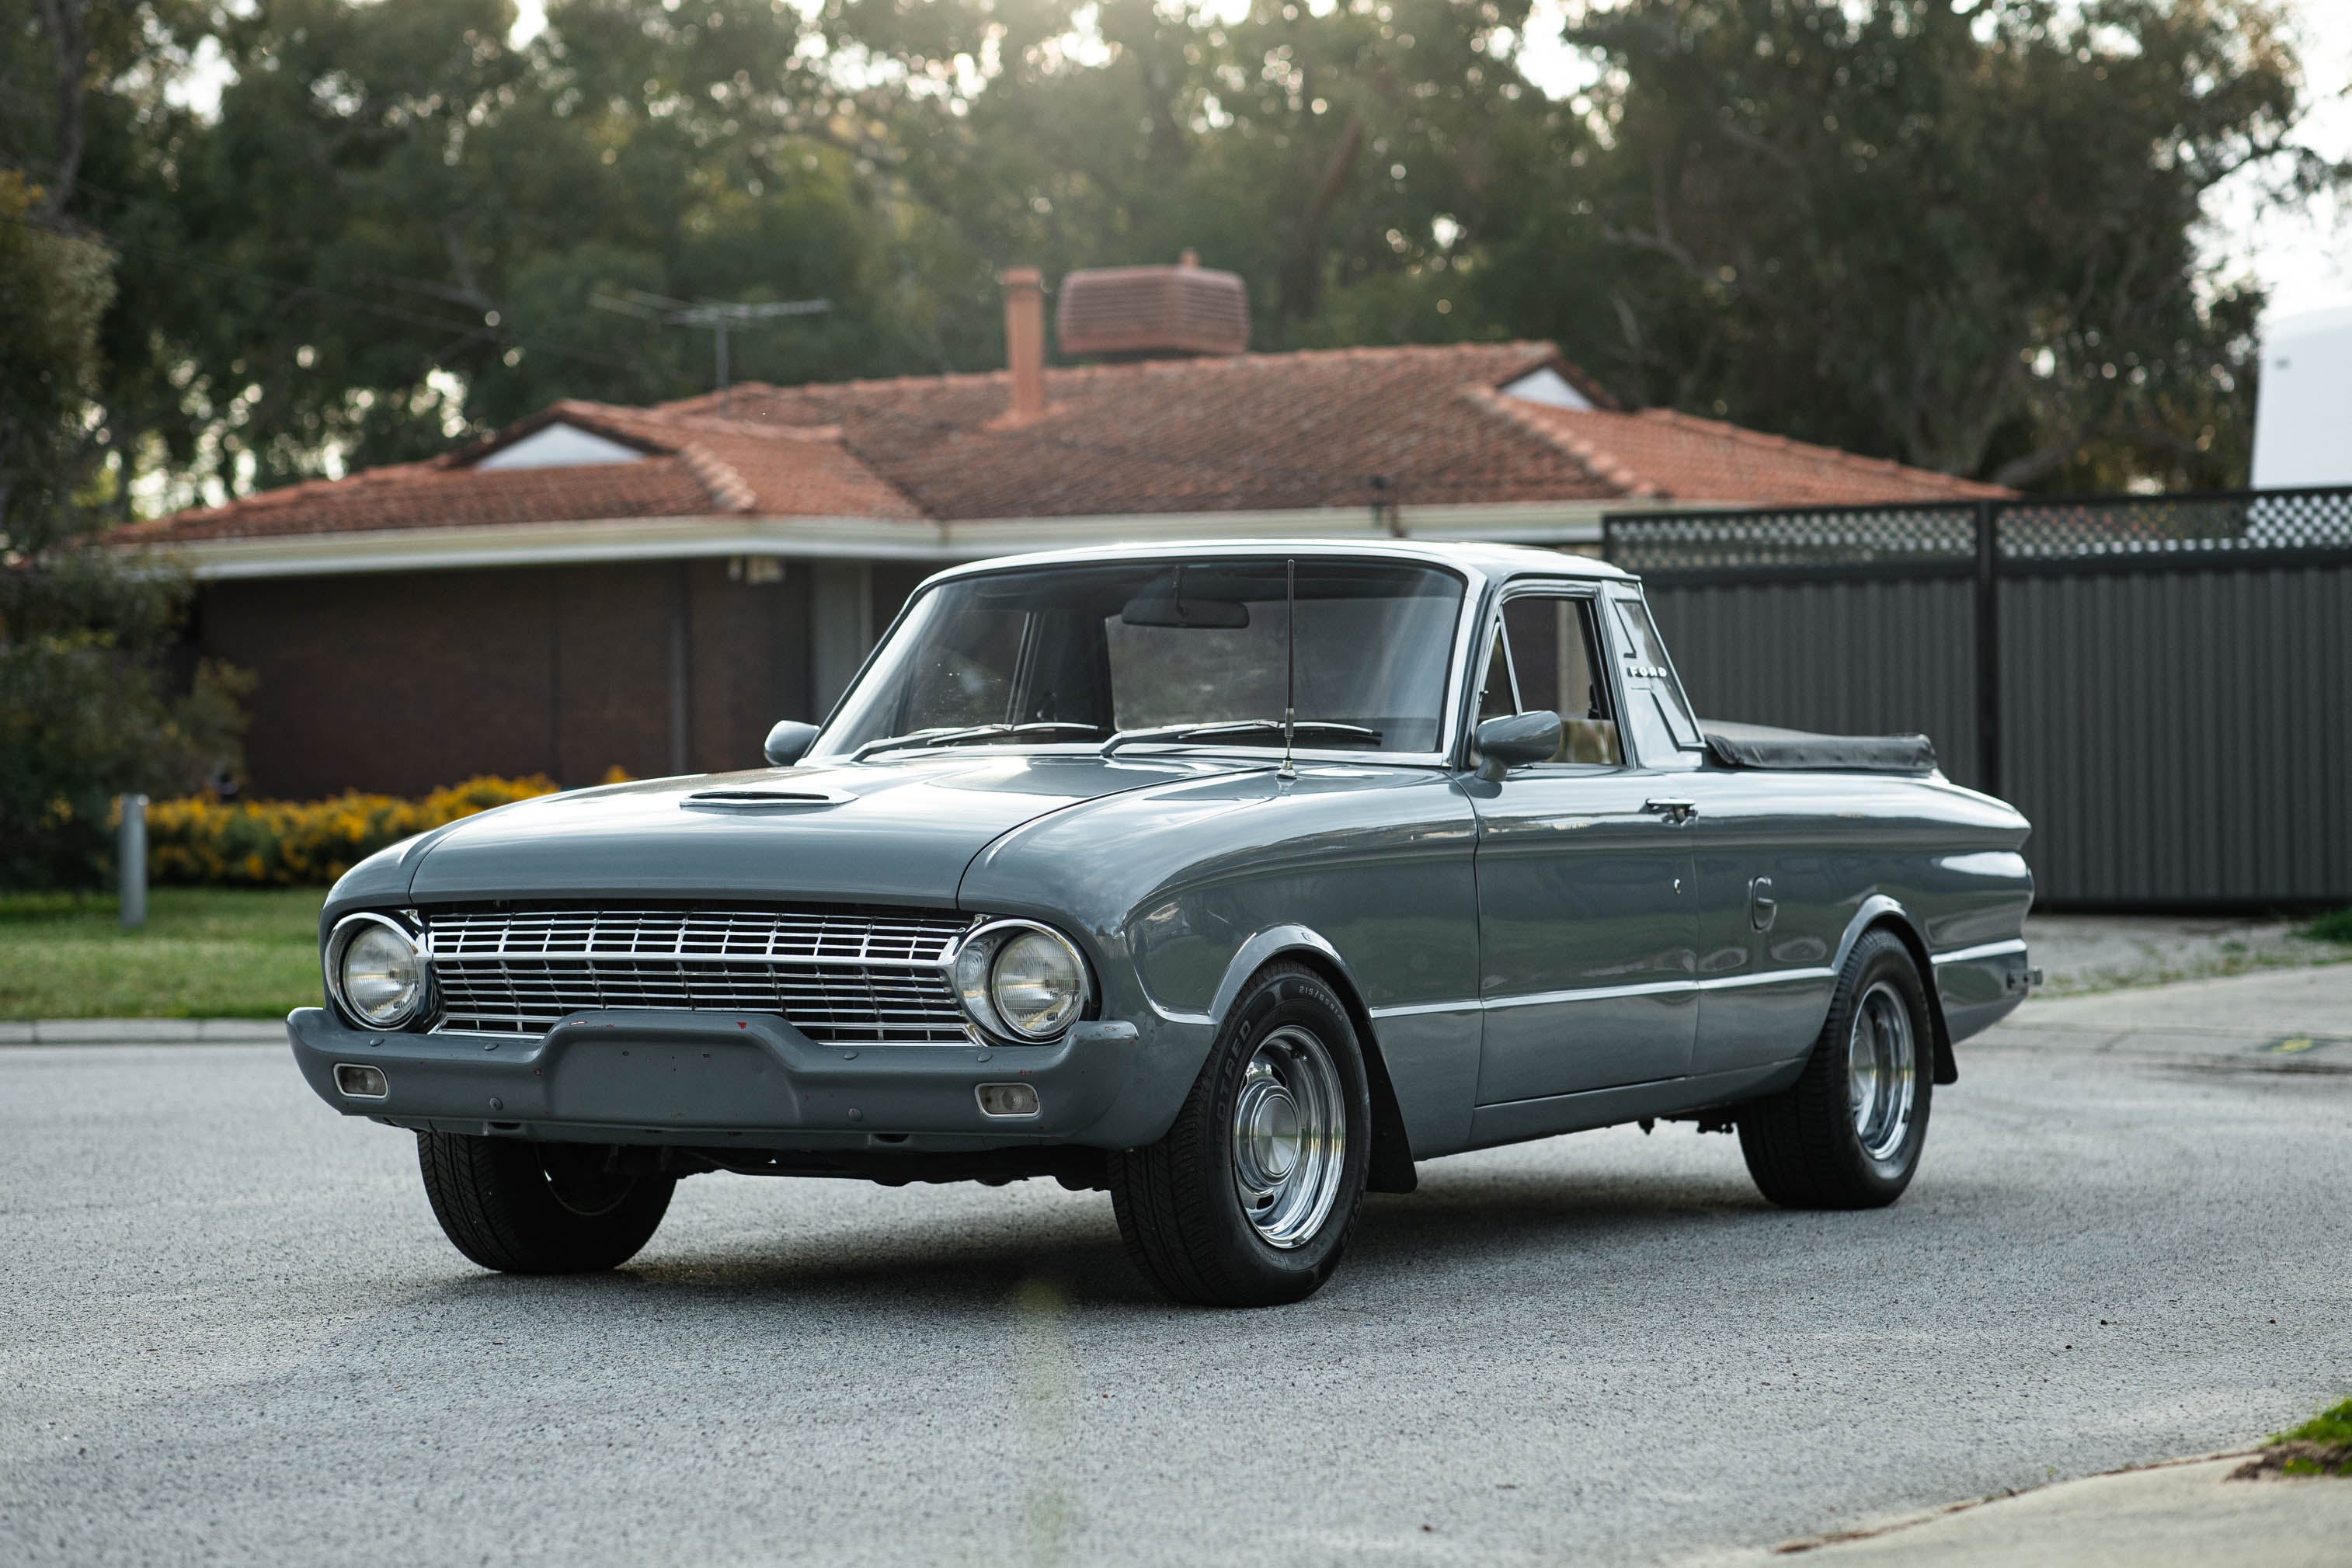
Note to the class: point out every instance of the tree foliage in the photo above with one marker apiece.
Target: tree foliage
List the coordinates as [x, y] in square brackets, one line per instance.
[89, 704]
[1961, 236]
[1960, 232]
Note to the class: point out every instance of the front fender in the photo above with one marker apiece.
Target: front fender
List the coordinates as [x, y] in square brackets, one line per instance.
[1392, 1159]
[1264, 948]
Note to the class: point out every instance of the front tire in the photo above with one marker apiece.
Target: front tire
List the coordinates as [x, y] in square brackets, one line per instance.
[1849, 1132]
[538, 1208]
[1248, 1199]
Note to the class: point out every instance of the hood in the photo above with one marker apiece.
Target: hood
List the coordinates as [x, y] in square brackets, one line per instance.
[900, 832]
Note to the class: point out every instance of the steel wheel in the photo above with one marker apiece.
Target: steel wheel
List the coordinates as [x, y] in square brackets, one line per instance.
[1847, 1133]
[1882, 1071]
[1248, 1197]
[1289, 1136]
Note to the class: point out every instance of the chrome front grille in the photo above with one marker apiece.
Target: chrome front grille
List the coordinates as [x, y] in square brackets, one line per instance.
[835, 976]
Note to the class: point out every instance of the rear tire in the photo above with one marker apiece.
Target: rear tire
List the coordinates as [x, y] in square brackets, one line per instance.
[1248, 1199]
[1849, 1132]
[538, 1208]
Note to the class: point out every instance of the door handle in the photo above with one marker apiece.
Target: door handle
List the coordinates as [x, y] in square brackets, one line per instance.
[1674, 811]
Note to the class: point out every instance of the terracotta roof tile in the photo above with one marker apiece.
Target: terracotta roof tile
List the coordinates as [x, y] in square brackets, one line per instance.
[1678, 456]
[693, 467]
[1245, 432]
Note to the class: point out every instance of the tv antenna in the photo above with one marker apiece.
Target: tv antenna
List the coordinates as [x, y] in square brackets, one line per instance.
[718, 318]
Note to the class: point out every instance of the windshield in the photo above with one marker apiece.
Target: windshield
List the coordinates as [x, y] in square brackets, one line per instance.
[1080, 654]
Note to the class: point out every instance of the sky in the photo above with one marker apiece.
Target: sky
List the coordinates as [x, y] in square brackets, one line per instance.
[2304, 256]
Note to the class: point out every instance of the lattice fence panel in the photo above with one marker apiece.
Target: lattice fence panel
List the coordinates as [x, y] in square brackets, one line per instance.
[2171, 525]
[1896, 538]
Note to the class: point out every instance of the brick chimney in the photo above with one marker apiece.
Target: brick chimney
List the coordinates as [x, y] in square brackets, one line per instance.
[1153, 312]
[1024, 342]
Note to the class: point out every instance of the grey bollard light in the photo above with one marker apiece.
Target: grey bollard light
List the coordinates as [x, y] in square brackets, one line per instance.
[131, 852]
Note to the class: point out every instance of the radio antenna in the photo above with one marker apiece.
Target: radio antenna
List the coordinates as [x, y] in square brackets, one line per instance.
[1290, 664]
[716, 319]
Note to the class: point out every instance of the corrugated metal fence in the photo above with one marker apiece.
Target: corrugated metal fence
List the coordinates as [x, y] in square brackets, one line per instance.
[2163, 684]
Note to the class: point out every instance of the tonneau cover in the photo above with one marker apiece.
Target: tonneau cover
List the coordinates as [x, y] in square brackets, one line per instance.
[1796, 750]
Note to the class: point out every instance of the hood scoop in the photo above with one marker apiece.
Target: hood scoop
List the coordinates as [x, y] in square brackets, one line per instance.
[764, 800]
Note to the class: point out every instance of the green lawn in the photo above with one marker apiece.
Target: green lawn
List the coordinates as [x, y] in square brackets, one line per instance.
[206, 952]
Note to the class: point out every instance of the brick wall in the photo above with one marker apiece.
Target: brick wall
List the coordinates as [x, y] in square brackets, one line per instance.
[400, 682]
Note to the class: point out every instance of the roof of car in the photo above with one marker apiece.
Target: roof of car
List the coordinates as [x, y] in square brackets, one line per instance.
[1493, 562]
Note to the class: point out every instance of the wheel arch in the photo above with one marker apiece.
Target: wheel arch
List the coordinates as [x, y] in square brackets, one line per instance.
[1880, 913]
[1390, 1166]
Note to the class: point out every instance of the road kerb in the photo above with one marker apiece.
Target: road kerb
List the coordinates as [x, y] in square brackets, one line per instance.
[142, 1031]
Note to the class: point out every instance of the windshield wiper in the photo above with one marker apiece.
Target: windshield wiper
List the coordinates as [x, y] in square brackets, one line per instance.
[978, 732]
[1236, 726]
[1002, 731]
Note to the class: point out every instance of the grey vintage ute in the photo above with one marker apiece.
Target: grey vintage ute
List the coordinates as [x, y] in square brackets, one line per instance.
[1232, 879]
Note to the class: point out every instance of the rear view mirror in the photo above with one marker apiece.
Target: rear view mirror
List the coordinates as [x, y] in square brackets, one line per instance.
[789, 742]
[1517, 738]
[1225, 614]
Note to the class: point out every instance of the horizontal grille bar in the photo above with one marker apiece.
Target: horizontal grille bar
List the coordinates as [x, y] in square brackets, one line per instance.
[836, 977]
[782, 937]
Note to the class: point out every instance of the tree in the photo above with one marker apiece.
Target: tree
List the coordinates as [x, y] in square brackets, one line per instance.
[1962, 236]
[1341, 161]
[87, 704]
[1960, 232]
[392, 234]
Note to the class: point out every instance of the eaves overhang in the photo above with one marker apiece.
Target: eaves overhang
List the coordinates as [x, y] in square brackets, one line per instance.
[600, 540]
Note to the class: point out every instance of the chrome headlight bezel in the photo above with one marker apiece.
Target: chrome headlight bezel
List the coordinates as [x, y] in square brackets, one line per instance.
[348, 930]
[972, 972]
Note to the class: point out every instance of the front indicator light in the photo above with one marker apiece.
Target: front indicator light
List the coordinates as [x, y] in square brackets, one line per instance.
[358, 1082]
[1008, 1100]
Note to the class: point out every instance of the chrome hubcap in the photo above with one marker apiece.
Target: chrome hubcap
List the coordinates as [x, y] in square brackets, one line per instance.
[1290, 1136]
[1882, 1071]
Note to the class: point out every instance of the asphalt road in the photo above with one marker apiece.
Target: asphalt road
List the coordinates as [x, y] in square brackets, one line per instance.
[229, 1330]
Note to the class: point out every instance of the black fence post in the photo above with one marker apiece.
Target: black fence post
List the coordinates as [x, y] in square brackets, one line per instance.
[1987, 647]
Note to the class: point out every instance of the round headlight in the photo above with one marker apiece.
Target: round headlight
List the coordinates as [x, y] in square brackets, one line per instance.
[1021, 981]
[1037, 984]
[375, 971]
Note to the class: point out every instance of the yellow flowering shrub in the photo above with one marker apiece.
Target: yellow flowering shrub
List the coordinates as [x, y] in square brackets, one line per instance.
[291, 843]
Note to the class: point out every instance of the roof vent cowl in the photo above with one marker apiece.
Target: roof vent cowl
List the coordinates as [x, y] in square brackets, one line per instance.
[1152, 312]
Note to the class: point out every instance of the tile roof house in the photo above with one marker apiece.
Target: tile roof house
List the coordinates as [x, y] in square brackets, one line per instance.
[514, 584]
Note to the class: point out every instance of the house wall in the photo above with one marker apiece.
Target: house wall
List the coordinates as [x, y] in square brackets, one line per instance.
[403, 682]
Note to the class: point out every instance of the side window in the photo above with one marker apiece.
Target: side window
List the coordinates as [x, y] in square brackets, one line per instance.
[1650, 682]
[1498, 692]
[1547, 656]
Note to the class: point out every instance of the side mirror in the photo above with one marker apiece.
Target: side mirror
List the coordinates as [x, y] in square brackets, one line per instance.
[1519, 738]
[789, 742]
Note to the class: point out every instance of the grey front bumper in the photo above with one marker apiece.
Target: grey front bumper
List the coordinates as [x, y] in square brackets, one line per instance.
[698, 1078]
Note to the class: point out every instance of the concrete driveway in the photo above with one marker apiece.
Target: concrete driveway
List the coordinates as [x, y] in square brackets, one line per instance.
[229, 1330]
